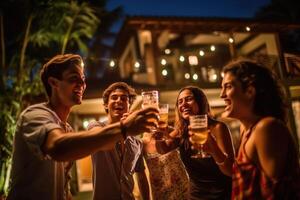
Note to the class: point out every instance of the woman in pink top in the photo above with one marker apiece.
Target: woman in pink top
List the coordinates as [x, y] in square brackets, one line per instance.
[267, 165]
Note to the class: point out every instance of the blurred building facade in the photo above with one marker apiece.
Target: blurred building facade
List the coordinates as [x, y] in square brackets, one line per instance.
[167, 53]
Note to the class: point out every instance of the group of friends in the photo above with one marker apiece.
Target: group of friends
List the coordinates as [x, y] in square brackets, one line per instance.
[265, 165]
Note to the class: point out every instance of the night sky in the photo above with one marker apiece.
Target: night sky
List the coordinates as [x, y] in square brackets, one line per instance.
[207, 8]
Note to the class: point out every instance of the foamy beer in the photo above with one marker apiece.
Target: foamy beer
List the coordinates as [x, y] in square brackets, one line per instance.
[163, 115]
[150, 98]
[198, 125]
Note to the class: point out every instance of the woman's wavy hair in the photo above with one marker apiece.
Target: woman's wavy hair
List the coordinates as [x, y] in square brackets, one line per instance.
[200, 98]
[270, 97]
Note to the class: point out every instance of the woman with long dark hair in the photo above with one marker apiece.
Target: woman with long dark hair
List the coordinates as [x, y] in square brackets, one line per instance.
[267, 164]
[209, 177]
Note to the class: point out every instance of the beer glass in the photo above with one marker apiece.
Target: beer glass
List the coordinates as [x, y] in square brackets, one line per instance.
[163, 120]
[198, 125]
[150, 98]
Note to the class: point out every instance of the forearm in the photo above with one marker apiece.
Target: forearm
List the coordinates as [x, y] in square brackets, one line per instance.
[222, 148]
[165, 146]
[72, 146]
[224, 161]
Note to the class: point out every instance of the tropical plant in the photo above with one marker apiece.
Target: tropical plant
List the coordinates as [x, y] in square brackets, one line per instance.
[41, 28]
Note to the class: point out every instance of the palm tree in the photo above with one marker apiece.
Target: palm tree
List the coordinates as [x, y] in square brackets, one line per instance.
[40, 29]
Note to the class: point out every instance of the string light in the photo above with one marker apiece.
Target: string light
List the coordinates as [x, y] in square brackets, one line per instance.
[201, 53]
[164, 72]
[85, 124]
[137, 64]
[187, 76]
[212, 48]
[167, 51]
[181, 58]
[248, 28]
[112, 64]
[163, 61]
[231, 40]
[195, 76]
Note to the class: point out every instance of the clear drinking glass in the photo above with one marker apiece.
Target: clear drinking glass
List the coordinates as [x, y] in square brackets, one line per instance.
[198, 125]
[163, 119]
[150, 98]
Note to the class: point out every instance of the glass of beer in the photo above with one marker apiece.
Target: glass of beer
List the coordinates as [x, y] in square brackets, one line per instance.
[198, 125]
[150, 98]
[163, 119]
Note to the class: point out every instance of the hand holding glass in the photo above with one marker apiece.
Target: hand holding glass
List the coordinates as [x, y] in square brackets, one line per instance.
[150, 98]
[163, 119]
[198, 125]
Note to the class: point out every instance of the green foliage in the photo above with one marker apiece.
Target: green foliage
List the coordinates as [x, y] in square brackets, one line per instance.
[9, 109]
[81, 22]
[42, 28]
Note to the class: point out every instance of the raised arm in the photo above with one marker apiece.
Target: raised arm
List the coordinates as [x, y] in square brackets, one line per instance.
[70, 146]
[221, 147]
[168, 144]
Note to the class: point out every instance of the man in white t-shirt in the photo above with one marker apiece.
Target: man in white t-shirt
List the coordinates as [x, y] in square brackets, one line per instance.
[44, 143]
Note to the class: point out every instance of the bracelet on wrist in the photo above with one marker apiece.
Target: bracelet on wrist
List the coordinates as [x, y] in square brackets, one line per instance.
[223, 162]
[123, 130]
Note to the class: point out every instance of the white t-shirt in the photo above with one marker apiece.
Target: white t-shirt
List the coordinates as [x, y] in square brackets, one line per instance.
[34, 174]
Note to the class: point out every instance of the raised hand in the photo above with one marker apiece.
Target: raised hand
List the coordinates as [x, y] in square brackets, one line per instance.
[141, 121]
[208, 146]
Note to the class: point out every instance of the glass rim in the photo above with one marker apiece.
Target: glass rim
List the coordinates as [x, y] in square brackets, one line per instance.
[150, 92]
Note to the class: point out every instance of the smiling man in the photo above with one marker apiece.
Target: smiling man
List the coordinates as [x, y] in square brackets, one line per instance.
[113, 169]
[44, 145]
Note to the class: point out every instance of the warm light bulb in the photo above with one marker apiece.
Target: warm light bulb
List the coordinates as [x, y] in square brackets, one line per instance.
[201, 53]
[85, 124]
[112, 63]
[137, 64]
[187, 76]
[164, 72]
[181, 58]
[167, 51]
[212, 48]
[195, 76]
[163, 61]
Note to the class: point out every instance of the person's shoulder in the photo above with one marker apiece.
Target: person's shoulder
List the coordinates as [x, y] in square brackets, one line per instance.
[271, 124]
[134, 140]
[37, 111]
[34, 107]
[270, 127]
[220, 126]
